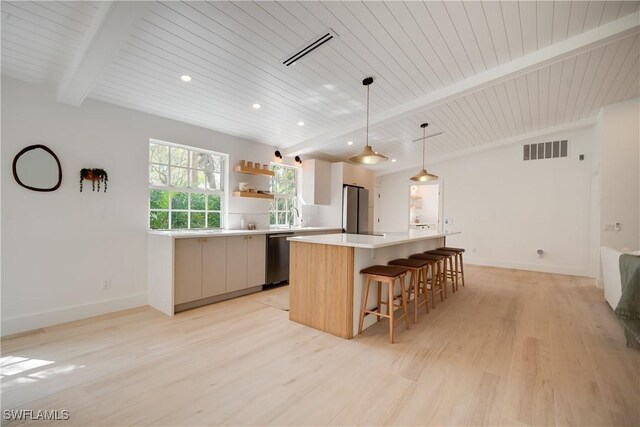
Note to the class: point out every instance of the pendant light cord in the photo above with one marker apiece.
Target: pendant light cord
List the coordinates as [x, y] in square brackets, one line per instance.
[368, 90]
[423, 137]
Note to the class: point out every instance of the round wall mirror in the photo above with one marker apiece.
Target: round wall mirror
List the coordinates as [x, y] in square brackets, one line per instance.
[37, 168]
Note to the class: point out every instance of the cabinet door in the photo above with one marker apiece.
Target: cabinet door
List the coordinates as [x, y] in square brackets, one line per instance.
[256, 254]
[188, 270]
[214, 266]
[236, 263]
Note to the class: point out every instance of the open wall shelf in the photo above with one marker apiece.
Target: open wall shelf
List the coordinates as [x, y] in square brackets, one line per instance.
[252, 194]
[253, 171]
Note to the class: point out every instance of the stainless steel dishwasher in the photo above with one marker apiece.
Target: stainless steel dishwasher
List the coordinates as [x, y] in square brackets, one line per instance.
[277, 270]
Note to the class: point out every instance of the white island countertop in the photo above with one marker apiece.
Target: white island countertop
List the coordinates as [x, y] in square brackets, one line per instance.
[367, 241]
[182, 234]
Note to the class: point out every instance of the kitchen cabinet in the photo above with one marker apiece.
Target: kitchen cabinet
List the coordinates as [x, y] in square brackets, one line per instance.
[245, 262]
[208, 267]
[237, 263]
[316, 182]
[256, 256]
[200, 268]
[214, 266]
[188, 270]
[358, 175]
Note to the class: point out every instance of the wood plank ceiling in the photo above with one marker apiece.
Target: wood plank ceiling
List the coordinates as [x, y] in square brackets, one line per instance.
[234, 53]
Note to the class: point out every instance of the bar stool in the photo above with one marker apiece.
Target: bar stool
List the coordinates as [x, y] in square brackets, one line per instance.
[418, 269]
[451, 270]
[459, 252]
[385, 274]
[435, 281]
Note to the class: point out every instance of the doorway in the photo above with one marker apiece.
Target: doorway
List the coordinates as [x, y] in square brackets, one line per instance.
[425, 206]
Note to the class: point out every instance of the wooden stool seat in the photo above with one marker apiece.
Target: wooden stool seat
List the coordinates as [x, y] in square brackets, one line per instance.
[385, 274]
[428, 257]
[459, 264]
[409, 262]
[383, 270]
[446, 248]
[418, 284]
[441, 252]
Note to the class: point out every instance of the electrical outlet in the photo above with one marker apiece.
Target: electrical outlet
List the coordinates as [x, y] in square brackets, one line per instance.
[448, 221]
[617, 226]
[106, 285]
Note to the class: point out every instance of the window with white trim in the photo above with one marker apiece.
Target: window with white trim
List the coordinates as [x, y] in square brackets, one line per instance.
[284, 186]
[186, 187]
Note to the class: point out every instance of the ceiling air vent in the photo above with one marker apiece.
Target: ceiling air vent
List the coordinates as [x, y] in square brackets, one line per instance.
[545, 150]
[310, 47]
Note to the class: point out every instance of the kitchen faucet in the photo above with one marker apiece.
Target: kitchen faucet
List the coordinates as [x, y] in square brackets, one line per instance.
[293, 211]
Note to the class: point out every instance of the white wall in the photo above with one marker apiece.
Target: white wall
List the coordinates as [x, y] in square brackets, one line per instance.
[59, 247]
[620, 175]
[507, 208]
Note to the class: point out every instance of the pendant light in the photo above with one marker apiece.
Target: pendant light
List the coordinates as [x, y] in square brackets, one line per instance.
[368, 156]
[423, 175]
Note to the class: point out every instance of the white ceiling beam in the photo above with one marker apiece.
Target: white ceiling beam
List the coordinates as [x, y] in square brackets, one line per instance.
[604, 34]
[109, 28]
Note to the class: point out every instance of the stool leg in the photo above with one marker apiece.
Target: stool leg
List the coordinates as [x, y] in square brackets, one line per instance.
[442, 274]
[443, 289]
[364, 304]
[379, 318]
[414, 282]
[455, 258]
[431, 267]
[390, 284]
[423, 273]
[454, 278]
[403, 297]
[461, 269]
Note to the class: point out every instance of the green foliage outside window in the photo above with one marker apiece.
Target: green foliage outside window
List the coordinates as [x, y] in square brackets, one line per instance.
[284, 186]
[186, 188]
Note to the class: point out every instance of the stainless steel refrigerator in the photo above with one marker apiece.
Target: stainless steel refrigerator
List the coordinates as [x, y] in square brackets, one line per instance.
[355, 209]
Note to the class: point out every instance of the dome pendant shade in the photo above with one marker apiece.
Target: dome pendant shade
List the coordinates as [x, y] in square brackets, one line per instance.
[368, 157]
[423, 175]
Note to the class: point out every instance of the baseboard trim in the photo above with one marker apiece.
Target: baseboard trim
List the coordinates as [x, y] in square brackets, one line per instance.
[556, 269]
[30, 322]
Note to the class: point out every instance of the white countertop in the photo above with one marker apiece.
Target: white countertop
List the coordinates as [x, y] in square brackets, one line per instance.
[181, 234]
[371, 242]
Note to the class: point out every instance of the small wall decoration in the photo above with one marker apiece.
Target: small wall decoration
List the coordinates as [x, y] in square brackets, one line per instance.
[37, 168]
[96, 176]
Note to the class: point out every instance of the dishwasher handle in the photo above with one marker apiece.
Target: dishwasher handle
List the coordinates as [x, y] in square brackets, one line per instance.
[280, 236]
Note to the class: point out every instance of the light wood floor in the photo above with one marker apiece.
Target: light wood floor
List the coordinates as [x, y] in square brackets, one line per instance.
[512, 348]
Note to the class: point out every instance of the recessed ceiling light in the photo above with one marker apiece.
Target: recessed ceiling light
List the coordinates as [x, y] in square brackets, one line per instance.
[185, 78]
[300, 123]
[393, 160]
[350, 143]
[256, 106]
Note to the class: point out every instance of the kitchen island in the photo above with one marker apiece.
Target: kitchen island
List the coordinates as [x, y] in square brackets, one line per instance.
[325, 285]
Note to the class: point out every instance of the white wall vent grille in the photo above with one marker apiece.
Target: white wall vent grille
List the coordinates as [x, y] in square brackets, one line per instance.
[545, 150]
